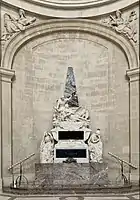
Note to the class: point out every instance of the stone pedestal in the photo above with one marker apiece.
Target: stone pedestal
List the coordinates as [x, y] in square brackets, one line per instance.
[64, 174]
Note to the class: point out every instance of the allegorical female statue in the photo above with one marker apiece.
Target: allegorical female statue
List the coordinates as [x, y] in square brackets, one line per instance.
[47, 148]
[95, 147]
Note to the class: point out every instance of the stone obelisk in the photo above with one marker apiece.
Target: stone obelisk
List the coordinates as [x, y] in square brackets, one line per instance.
[70, 88]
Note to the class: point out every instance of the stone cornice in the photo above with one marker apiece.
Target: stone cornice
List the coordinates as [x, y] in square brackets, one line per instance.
[133, 74]
[70, 9]
[6, 75]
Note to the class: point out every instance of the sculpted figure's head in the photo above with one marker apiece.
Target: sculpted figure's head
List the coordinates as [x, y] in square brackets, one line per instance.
[133, 16]
[133, 13]
[118, 14]
[6, 17]
[98, 131]
[47, 137]
[94, 138]
[21, 13]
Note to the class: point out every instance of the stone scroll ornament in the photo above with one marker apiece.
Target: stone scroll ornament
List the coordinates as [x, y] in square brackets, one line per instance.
[13, 25]
[122, 25]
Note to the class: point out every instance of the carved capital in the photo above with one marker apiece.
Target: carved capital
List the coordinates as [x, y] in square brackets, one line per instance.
[133, 74]
[6, 75]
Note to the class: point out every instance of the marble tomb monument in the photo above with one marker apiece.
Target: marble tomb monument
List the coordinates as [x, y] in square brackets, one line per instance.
[70, 147]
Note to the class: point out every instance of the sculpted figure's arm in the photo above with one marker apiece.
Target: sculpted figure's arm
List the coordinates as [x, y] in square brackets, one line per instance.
[112, 20]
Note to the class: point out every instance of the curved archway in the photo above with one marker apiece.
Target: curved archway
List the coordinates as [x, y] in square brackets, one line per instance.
[79, 25]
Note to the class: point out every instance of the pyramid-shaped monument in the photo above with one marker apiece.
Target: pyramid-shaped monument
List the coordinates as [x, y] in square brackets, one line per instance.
[70, 88]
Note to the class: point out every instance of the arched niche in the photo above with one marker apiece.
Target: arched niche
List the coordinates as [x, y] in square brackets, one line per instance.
[47, 28]
[92, 27]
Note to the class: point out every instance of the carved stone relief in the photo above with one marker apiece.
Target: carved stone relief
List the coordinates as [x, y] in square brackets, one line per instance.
[46, 148]
[120, 24]
[13, 25]
[95, 147]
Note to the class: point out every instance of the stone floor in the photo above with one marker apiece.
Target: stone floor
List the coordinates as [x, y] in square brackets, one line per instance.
[128, 196]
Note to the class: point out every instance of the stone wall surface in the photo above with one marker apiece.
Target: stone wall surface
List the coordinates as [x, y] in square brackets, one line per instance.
[40, 81]
[40, 67]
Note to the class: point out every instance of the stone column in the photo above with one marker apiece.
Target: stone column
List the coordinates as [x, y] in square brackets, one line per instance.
[0, 134]
[6, 77]
[133, 75]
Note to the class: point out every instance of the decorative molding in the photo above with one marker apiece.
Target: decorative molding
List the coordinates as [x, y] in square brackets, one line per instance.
[125, 26]
[71, 8]
[133, 74]
[13, 25]
[6, 75]
[79, 25]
